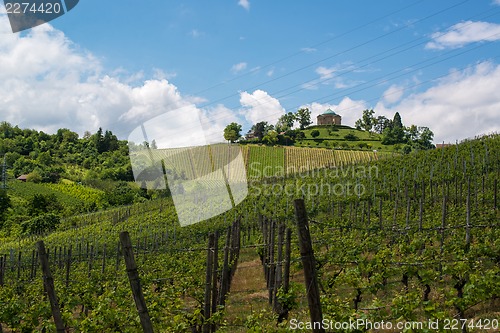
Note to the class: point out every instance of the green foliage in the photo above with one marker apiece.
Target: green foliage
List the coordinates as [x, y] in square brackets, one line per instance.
[303, 116]
[367, 121]
[5, 204]
[351, 137]
[285, 122]
[315, 133]
[232, 132]
[42, 223]
[43, 203]
[121, 194]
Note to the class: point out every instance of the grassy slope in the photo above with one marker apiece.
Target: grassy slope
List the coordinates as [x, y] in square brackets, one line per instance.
[330, 139]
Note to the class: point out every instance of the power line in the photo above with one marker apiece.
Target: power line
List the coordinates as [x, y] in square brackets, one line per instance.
[411, 45]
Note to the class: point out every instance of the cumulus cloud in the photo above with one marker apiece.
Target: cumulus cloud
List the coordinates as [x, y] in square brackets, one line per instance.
[464, 104]
[260, 106]
[245, 4]
[393, 94]
[464, 33]
[349, 109]
[47, 83]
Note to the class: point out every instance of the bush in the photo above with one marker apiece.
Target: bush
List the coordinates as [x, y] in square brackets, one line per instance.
[42, 223]
[40, 204]
[350, 137]
[315, 133]
[121, 194]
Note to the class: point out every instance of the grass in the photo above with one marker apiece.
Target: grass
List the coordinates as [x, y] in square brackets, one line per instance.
[334, 137]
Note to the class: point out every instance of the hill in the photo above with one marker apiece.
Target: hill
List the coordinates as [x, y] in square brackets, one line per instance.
[408, 239]
[343, 137]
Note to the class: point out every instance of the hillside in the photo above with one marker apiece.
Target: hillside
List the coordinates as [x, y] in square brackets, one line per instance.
[416, 239]
[344, 137]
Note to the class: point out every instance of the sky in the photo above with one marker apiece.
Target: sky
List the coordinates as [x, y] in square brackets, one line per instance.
[161, 65]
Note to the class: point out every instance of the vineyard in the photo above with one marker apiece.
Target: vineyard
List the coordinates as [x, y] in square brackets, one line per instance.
[260, 161]
[408, 239]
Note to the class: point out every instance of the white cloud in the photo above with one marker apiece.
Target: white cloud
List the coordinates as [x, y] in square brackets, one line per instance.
[332, 76]
[215, 119]
[464, 33]
[245, 4]
[464, 104]
[239, 67]
[260, 106]
[496, 2]
[47, 83]
[349, 109]
[393, 94]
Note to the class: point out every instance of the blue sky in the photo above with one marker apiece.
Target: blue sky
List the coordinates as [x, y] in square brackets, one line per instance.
[117, 65]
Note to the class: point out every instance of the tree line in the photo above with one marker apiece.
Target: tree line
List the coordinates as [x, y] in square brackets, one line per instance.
[392, 131]
[282, 132]
[395, 133]
[99, 162]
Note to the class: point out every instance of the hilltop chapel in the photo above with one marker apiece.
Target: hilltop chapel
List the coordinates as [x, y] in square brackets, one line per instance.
[329, 117]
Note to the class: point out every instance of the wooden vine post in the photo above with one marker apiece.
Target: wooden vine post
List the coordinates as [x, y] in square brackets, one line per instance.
[48, 282]
[309, 264]
[135, 284]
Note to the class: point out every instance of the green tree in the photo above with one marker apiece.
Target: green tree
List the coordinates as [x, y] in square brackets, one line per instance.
[285, 122]
[41, 204]
[42, 223]
[380, 124]
[5, 204]
[270, 138]
[395, 132]
[367, 121]
[315, 133]
[232, 132]
[261, 128]
[396, 121]
[303, 116]
[121, 194]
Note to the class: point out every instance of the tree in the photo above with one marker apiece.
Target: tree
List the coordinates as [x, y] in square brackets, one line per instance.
[303, 116]
[261, 128]
[285, 122]
[5, 204]
[232, 132]
[41, 204]
[424, 139]
[380, 124]
[120, 194]
[270, 138]
[396, 121]
[367, 121]
[395, 132]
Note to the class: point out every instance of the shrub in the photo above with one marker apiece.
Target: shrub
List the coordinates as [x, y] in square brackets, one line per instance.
[315, 133]
[350, 137]
[42, 223]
